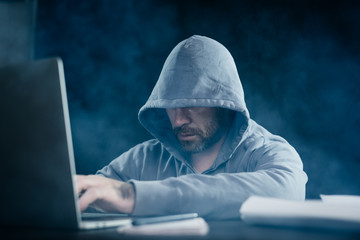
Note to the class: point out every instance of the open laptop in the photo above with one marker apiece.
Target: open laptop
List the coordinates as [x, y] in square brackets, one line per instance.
[36, 152]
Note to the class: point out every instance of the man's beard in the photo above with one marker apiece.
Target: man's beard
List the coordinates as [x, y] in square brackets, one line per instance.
[213, 132]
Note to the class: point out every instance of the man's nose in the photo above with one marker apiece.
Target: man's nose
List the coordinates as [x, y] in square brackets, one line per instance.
[181, 117]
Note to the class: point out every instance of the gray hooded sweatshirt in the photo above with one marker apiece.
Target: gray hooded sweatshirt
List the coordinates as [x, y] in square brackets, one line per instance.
[200, 72]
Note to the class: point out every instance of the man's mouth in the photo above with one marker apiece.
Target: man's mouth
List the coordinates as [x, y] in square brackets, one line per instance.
[186, 136]
[185, 133]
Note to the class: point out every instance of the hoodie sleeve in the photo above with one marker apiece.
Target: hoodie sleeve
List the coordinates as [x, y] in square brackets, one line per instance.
[143, 162]
[275, 170]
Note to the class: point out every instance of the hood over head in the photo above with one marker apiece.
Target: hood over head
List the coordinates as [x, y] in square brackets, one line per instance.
[199, 72]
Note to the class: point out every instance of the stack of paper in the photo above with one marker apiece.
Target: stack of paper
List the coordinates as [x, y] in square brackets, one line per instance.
[337, 211]
[195, 226]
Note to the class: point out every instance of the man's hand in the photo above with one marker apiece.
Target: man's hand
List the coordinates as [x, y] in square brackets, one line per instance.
[106, 194]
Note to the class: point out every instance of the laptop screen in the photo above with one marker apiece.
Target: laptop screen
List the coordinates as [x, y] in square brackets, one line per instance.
[37, 158]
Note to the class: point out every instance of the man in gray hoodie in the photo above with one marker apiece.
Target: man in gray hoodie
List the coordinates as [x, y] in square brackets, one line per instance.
[208, 156]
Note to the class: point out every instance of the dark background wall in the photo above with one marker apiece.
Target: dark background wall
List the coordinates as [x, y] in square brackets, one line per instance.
[17, 30]
[299, 63]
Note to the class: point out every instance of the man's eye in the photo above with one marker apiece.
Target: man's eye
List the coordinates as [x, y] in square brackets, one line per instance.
[195, 109]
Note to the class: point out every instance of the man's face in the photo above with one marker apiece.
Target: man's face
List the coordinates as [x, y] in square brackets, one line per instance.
[197, 128]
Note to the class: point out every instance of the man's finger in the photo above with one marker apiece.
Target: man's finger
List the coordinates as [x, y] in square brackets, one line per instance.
[89, 197]
[86, 181]
[81, 183]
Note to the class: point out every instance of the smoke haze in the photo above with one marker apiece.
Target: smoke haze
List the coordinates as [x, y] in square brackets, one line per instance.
[298, 61]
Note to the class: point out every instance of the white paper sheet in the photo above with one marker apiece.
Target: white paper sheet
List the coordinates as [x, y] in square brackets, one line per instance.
[331, 213]
[190, 227]
[348, 200]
